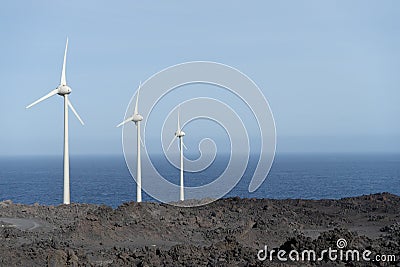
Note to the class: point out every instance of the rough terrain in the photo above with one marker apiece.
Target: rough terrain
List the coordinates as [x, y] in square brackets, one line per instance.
[228, 232]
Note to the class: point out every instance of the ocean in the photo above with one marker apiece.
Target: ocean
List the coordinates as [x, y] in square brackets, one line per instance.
[106, 179]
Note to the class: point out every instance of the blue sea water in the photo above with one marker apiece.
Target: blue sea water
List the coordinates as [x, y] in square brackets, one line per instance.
[106, 179]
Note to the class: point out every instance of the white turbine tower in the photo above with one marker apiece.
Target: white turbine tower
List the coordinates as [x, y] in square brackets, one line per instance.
[63, 90]
[180, 134]
[137, 118]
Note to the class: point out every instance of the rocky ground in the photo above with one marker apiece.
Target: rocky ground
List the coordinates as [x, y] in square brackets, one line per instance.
[228, 232]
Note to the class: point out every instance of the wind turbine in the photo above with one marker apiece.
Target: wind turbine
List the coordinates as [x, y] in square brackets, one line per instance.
[180, 134]
[63, 90]
[137, 118]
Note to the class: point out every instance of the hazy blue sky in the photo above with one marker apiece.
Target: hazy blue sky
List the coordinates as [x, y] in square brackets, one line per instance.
[329, 69]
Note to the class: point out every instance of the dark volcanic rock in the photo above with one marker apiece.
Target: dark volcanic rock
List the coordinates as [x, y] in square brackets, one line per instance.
[228, 232]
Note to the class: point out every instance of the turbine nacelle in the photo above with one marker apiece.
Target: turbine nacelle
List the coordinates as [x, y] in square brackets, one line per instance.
[63, 90]
[179, 133]
[137, 117]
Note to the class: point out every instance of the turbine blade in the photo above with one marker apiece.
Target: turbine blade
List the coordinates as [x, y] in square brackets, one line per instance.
[140, 138]
[170, 144]
[74, 111]
[184, 145]
[179, 123]
[54, 92]
[141, 142]
[137, 99]
[125, 121]
[63, 78]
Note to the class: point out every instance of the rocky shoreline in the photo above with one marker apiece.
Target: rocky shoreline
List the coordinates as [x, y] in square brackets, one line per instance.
[228, 232]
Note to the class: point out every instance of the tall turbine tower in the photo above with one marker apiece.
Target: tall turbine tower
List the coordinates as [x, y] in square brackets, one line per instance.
[63, 90]
[137, 118]
[180, 134]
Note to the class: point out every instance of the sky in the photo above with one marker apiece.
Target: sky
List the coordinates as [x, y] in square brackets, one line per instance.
[329, 69]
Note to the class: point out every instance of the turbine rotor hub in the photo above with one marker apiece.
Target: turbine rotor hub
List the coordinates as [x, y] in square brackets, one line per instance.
[179, 134]
[137, 117]
[64, 90]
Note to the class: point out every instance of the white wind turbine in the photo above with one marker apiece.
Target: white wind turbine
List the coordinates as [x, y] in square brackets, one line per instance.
[63, 90]
[180, 134]
[137, 118]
